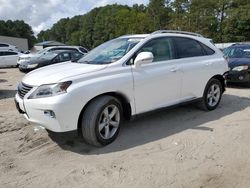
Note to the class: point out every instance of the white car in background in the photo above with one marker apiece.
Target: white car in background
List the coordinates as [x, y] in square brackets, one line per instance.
[26, 57]
[9, 58]
[126, 76]
[7, 47]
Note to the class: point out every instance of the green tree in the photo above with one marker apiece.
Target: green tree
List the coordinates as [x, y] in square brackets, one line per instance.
[17, 28]
[159, 11]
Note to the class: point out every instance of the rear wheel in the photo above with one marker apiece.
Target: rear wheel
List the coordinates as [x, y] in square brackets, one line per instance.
[212, 95]
[101, 121]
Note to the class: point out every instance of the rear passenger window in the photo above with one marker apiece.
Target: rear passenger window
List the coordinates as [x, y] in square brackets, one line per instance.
[64, 57]
[10, 53]
[207, 50]
[161, 48]
[76, 55]
[188, 47]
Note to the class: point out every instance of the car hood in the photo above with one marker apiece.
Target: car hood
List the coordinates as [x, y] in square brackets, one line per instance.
[56, 73]
[234, 62]
[35, 61]
[27, 55]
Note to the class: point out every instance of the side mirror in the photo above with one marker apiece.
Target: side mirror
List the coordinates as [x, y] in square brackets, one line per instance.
[143, 58]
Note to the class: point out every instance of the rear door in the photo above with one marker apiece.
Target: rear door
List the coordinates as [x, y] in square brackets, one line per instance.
[8, 58]
[11, 58]
[196, 65]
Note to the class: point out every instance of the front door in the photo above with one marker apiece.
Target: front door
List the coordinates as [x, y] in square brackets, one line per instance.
[157, 84]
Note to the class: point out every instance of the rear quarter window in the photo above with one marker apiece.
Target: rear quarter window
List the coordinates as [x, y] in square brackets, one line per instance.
[187, 47]
[207, 50]
[83, 50]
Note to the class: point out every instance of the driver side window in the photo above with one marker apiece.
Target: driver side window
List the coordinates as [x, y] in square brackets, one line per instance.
[161, 48]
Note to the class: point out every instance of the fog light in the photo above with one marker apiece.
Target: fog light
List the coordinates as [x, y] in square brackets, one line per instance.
[49, 113]
[241, 77]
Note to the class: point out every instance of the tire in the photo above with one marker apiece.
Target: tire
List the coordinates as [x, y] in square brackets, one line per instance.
[100, 124]
[212, 95]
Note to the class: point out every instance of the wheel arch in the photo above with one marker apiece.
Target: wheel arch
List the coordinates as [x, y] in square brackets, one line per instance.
[127, 109]
[222, 81]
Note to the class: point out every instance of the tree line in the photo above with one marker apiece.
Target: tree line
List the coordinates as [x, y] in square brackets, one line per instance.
[220, 20]
[17, 28]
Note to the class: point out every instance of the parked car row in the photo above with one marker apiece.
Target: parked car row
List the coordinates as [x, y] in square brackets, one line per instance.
[238, 56]
[9, 58]
[7, 47]
[121, 78]
[26, 57]
[47, 56]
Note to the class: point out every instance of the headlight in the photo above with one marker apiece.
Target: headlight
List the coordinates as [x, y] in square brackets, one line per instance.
[50, 90]
[30, 66]
[240, 68]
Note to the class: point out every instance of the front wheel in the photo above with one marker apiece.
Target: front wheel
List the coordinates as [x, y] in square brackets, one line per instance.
[212, 95]
[101, 121]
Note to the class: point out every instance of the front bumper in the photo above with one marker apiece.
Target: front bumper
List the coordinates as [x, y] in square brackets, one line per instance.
[25, 70]
[35, 111]
[238, 76]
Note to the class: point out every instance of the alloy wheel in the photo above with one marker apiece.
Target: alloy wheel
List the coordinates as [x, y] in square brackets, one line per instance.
[213, 95]
[109, 122]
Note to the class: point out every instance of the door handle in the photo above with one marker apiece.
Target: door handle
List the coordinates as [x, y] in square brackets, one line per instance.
[174, 69]
[209, 63]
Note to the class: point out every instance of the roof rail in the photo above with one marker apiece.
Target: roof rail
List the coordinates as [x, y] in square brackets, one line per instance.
[176, 31]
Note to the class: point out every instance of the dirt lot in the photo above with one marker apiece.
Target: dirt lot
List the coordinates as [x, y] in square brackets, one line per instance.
[182, 147]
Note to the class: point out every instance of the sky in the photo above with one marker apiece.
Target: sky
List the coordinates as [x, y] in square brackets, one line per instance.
[42, 14]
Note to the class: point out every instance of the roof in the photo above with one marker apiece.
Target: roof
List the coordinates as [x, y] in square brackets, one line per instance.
[177, 32]
[61, 51]
[135, 36]
[240, 44]
[170, 32]
[50, 43]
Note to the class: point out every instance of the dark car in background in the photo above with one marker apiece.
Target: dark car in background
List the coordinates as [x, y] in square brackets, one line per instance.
[238, 57]
[50, 58]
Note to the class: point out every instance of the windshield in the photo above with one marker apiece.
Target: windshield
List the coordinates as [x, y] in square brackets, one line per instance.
[237, 52]
[110, 51]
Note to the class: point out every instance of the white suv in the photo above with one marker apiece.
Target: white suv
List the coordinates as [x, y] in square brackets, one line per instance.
[121, 78]
[7, 47]
[27, 57]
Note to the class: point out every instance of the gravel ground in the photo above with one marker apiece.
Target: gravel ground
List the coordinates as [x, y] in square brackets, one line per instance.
[181, 147]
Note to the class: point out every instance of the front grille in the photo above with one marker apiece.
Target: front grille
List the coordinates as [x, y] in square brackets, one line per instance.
[23, 89]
